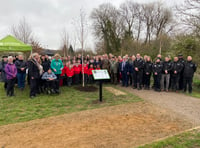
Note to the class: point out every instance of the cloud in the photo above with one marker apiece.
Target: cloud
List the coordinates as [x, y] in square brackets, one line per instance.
[47, 17]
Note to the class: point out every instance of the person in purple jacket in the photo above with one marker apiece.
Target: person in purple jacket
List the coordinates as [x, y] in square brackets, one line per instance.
[11, 73]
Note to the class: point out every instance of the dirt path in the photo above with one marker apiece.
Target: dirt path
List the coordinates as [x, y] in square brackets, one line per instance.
[186, 106]
[111, 127]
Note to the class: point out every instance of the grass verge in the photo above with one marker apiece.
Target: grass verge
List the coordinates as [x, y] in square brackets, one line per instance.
[21, 108]
[186, 140]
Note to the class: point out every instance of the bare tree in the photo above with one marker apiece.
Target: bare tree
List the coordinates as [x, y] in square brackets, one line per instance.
[22, 31]
[81, 27]
[189, 14]
[64, 42]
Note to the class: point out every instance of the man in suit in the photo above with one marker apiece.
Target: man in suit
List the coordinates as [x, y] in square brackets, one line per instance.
[124, 70]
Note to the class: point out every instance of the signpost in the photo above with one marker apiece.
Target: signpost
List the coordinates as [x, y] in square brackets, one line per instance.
[100, 75]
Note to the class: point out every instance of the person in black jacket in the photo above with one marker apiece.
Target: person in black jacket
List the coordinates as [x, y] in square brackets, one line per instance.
[21, 66]
[139, 65]
[2, 71]
[182, 61]
[45, 63]
[167, 67]
[34, 73]
[157, 72]
[175, 74]
[188, 73]
[147, 72]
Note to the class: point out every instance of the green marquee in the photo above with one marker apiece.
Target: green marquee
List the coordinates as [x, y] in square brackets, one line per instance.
[11, 44]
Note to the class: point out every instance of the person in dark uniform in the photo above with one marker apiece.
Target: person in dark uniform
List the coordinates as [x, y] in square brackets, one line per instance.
[175, 74]
[34, 73]
[167, 67]
[182, 61]
[139, 65]
[157, 72]
[147, 72]
[124, 70]
[188, 73]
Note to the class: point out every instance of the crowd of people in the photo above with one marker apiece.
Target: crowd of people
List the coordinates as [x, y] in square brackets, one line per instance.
[47, 74]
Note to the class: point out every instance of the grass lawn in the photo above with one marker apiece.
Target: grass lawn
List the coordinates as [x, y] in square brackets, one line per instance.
[185, 140]
[21, 108]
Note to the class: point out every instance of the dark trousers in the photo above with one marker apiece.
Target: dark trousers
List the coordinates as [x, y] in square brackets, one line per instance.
[69, 81]
[34, 87]
[85, 78]
[134, 81]
[181, 81]
[10, 87]
[147, 80]
[187, 81]
[175, 82]
[130, 79]
[113, 78]
[57, 82]
[76, 79]
[5, 85]
[139, 75]
[124, 79]
[50, 84]
[157, 79]
[90, 79]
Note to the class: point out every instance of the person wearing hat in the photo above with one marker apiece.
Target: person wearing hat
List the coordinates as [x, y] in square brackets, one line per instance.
[57, 66]
[182, 61]
[2, 70]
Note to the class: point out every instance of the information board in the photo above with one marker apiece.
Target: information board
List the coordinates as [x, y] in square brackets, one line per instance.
[100, 74]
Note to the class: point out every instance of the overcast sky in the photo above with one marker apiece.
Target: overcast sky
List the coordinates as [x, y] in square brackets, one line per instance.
[48, 17]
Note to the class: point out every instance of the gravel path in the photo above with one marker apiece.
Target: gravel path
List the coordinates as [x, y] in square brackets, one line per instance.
[186, 106]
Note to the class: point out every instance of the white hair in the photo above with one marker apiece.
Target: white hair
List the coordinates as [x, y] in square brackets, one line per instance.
[34, 54]
[10, 57]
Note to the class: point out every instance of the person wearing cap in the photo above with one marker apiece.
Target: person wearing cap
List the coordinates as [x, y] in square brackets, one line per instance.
[21, 72]
[2, 70]
[124, 71]
[157, 72]
[11, 73]
[57, 66]
[188, 73]
[182, 61]
[139, 67]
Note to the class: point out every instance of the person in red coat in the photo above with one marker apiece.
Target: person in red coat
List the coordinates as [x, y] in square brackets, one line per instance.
[77, 71]
[70, 74]
[90, 77]
[85, 71]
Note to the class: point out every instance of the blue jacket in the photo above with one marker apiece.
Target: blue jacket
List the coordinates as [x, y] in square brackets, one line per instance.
[126, 67]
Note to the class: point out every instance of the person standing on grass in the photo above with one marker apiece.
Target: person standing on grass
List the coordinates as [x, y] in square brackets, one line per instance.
[21, 71]
[2, 71]
[57, 66]
[188, 73]
[11, 73]
[34, 74]
[139, 67]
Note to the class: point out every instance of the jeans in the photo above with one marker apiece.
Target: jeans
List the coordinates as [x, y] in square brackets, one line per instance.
[21, 79]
